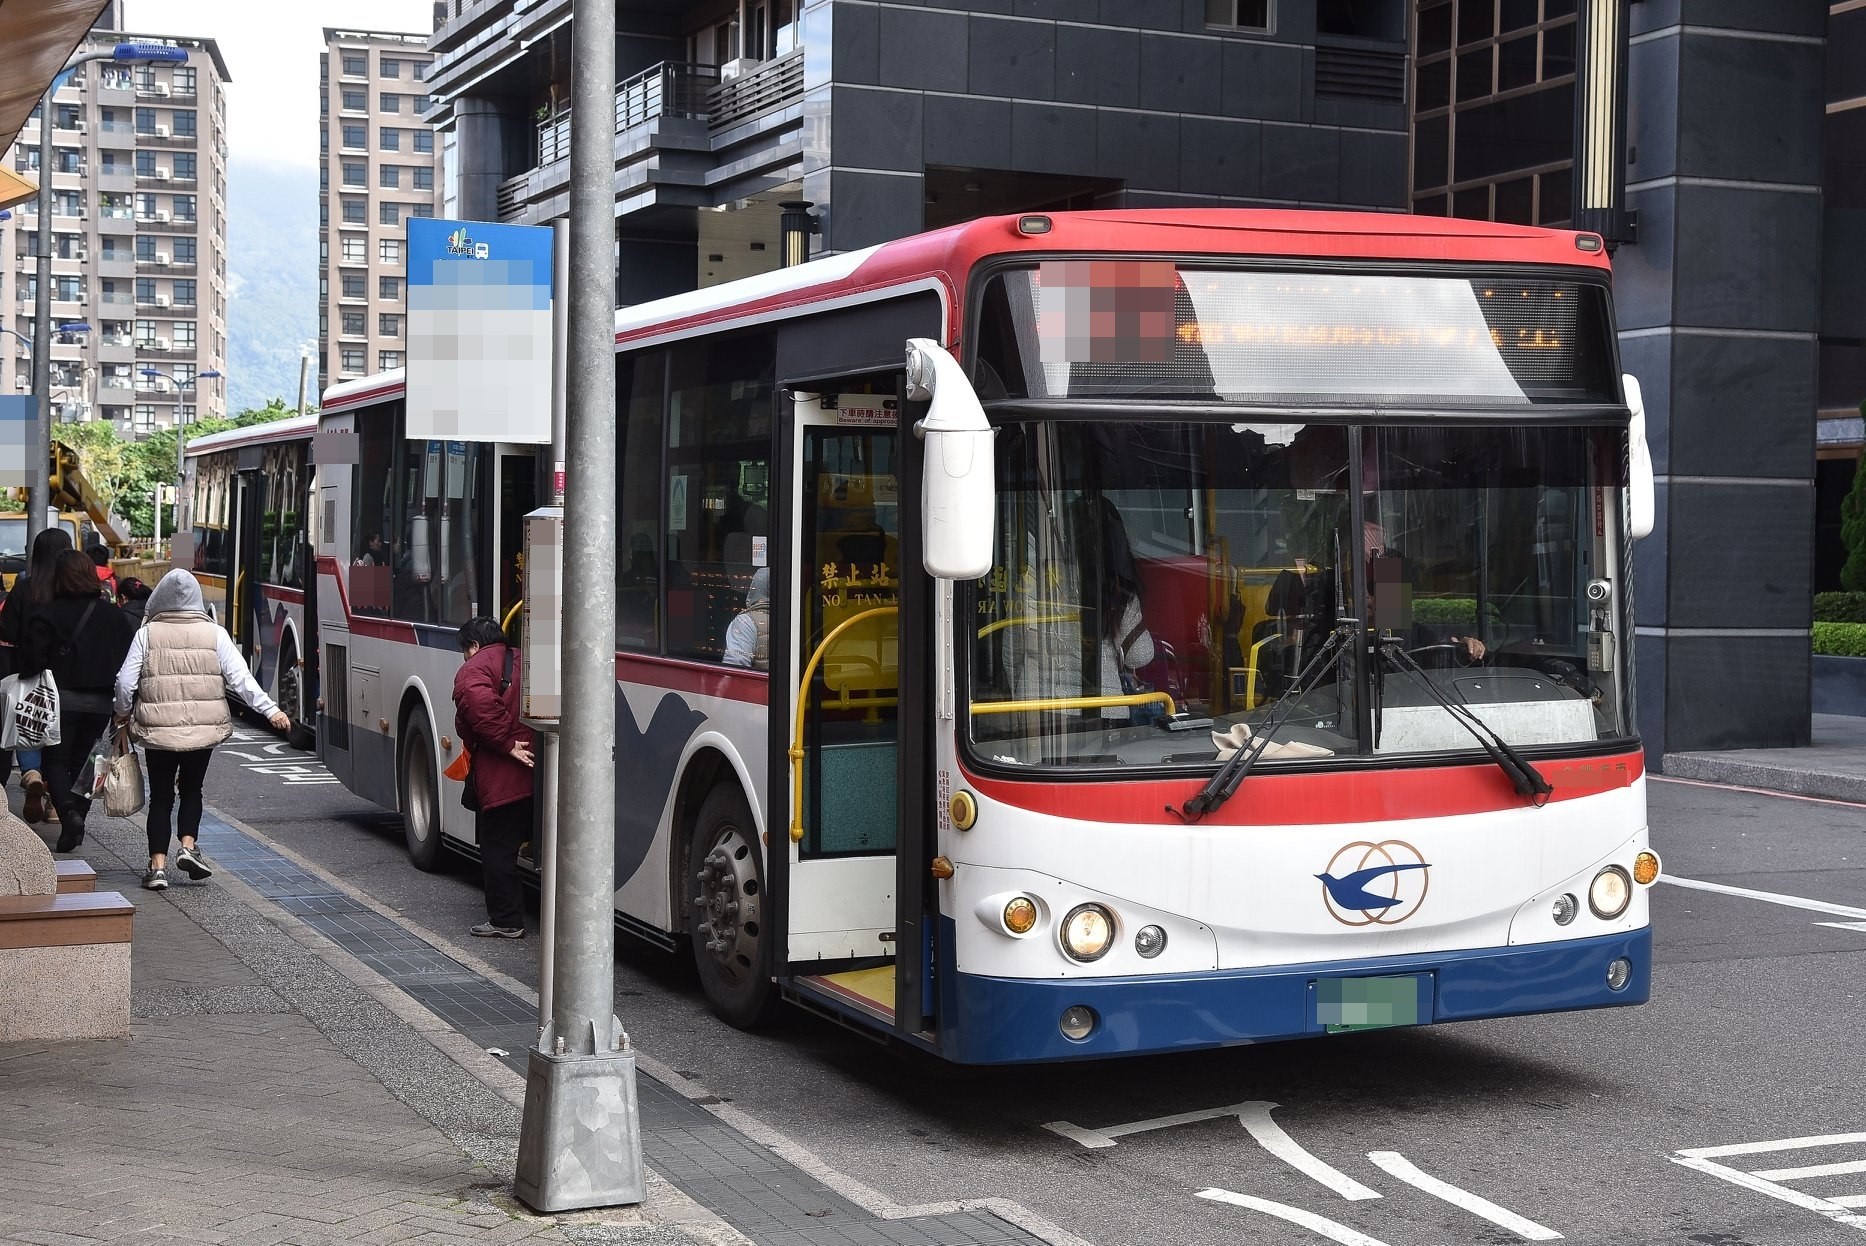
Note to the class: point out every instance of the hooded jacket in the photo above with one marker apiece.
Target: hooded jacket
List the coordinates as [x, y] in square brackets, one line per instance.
[487, 722]
[180, 668]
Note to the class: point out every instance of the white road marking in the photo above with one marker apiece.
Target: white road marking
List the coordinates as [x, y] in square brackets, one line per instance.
[1399, 1166]
[1768, 897]
[1703, 1159]
[1253, 1115]
[1859, 926]
[1811, 1170]
[1329, 1229]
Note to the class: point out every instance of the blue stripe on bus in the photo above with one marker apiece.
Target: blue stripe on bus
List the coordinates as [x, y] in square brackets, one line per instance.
[986, 1020]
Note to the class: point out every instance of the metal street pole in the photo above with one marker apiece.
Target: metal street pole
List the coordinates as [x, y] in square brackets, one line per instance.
[547, 740]
[580, 1143]
[39, 496]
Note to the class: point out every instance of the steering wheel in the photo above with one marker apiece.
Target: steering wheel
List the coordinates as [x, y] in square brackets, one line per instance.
[1455, 648]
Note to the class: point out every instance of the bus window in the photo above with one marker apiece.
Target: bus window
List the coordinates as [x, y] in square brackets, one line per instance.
[718, 456]
[518, 496]
[369, 516]
[642, 387]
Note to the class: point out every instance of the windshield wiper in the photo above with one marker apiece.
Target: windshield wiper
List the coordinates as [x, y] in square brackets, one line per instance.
[1223, 785]
[1527, 780]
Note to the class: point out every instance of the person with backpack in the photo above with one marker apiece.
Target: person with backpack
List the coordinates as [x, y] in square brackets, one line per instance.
[81, 639]
[172, 688]
[499, 780]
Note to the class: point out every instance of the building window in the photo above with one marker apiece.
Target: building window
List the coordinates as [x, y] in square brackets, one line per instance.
[145, 248]
[145, 334]
[389, 177]
[184, 250]
[391, 68]
[424, 142]
[355, 99]
[353, 358]
[145, 290]
[356, 137]
[184, 207]
[355, 173]
[145, 121]
[355, 324]
[388, 102]
[145, 163]
[354, 286]
[184, 79]
[389, 325]
[184, 121]
[421, 211]
[389, 250]
[355, 249]
[389, 288]
[185, 293]
[355, 65]
[388, 360]
[1238, 14]
[184, 334]
[388, 138]
[355, 211]
[186, 167]
[424, 178]
[145, 417]
[388, 214]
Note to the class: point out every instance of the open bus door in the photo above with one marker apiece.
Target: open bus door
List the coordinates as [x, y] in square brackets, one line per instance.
[244, 606]
[848, 834]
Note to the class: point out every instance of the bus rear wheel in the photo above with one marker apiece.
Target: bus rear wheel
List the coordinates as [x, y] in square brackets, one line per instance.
[291, 697]
[725, 911]
[421, 804]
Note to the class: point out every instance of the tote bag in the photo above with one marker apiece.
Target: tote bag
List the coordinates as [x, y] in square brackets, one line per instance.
[29, 711]
[124, 792]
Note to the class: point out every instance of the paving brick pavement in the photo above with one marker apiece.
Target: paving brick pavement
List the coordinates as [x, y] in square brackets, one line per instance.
[262, 1100]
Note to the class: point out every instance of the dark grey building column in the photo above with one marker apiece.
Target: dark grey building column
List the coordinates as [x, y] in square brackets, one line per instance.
[480, 149]
[1719, 304]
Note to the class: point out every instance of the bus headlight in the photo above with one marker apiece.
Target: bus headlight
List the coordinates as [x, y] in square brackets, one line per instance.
[1564, 909]
[1088, 932]
[1149, 941]
[1610, 893]
[1020, 915]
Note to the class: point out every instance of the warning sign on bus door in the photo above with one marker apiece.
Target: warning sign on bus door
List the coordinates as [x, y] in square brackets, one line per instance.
[865, 412]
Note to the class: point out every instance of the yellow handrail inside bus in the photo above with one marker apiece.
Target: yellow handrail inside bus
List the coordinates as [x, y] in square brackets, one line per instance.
[803, 701]
[1001, 624]
[1075, 703]
[239, 600]
[505, 624]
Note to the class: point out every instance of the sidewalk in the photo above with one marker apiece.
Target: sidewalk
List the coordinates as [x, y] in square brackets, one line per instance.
[1832, 766]
[303, 1070]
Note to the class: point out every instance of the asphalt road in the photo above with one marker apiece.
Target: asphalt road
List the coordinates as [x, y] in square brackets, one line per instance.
[1568, 1126]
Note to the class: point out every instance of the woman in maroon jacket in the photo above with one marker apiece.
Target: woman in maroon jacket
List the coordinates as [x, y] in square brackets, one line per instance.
[486, 701]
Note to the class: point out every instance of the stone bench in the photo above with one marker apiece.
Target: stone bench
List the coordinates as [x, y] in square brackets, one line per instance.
[65, 965]
[76, 876]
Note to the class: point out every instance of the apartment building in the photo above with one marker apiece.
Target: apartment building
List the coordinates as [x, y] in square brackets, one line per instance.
[379, 168]
[892, 118]
[139, 233]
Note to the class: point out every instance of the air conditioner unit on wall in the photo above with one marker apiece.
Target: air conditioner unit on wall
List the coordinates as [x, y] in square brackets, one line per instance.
[161, 300]
[161, 343]
[161, 131]
[736, 68]
[161, 88]
[80, 126]
[162, 216]
[162, 258]
[162, 175]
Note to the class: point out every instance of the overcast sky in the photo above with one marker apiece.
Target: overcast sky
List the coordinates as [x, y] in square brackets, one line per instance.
[271, 49]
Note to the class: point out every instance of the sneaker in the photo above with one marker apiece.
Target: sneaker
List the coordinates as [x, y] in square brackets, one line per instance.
[34, 786]
[70, 840]
[193, 864]
[486, 930]
[155, 880]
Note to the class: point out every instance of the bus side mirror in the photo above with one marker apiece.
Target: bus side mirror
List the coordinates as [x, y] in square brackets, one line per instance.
[1640, 490]
[958, 505]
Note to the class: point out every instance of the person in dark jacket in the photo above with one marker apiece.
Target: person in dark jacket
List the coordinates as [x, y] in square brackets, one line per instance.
[486, 718]
[100, 555]
[82, 639]
[133, 596]
[19, 605]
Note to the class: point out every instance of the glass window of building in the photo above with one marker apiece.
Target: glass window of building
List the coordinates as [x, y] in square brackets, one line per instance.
[145, 248]
[388, 138]
[424, 142]
[355, 99]
[354, 358]
[354, 211]
[355, 324]
[387, 360]
[388, 101]
[354, 285]
[389, 177]
[389, 325]
[185, 292]
[145, 417]
[356, 137]
[355, 173]
[145, 290]
[388, 213]
[145, 163]
[185, 121]
[424, 178]
[1238, 14]
[389, 250]
[145, 121]
[355, 249]
[184, 207]
[355, 65]
[184, 333]
[186, 166]
[421, 211]
[391, 67]
[145, 333]
[184, 79]
[185, 250]
[389, 288]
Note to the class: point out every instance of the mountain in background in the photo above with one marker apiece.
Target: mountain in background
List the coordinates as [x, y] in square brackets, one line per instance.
[272, 269]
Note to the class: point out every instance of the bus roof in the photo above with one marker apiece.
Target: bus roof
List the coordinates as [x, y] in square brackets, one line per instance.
[940, 260]
[298, 427]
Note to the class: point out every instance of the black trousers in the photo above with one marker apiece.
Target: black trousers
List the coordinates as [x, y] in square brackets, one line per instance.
[62, 763]
[501, 831]
[168, 770]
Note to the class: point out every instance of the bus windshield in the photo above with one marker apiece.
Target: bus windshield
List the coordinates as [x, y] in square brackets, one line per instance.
[12, 535]
[1151, 569]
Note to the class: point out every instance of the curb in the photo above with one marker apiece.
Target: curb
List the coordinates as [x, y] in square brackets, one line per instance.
[1786, 780]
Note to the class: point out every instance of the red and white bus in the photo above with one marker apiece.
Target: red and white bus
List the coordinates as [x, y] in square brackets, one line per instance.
[248, 512]
[1347, 498]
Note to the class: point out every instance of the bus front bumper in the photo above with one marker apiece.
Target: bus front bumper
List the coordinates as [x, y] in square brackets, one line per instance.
[1009, 1020]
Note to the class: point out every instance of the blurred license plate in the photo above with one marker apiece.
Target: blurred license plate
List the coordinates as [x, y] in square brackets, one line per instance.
[1343, 1005]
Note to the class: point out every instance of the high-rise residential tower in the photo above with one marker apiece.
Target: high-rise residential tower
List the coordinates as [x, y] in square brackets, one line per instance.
[379, 168]
[139, 231]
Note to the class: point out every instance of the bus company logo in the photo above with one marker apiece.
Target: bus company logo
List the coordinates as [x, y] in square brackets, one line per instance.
[1368, 884]
[458, 243]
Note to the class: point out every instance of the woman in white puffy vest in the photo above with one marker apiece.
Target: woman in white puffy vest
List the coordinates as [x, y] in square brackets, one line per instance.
[173, 691]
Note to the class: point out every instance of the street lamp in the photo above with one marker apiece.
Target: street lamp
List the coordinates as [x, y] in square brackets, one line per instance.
[181, 442]
[127, 53]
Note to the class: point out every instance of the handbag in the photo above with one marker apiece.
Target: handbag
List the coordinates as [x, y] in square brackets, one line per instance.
[29, 711]
[469, 790]
[124, 792]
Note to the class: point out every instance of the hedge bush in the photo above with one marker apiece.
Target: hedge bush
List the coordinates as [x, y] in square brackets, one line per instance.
[1840, 640]
[1440, 611]
[1840, 607]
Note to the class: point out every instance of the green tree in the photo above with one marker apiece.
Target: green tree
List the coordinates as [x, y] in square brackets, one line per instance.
[1853, 530]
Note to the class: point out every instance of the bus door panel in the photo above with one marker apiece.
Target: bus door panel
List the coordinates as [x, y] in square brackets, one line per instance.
[245, 601]
[840, 906]
[516, 496]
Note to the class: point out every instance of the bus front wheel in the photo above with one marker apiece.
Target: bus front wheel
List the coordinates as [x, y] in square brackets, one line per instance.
[421, 805]
[725, 911]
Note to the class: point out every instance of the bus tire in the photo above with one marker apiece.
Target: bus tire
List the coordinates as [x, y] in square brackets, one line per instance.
[725, 911]
[290, 698]
[421, 798]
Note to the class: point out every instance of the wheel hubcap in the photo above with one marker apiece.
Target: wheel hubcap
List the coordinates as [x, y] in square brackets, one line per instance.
[416, 814]
[728, 904]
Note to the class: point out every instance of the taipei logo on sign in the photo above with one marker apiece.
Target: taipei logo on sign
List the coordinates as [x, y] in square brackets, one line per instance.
[458, 243]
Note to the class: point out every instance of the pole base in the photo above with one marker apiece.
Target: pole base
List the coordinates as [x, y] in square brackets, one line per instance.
[580, 1143]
